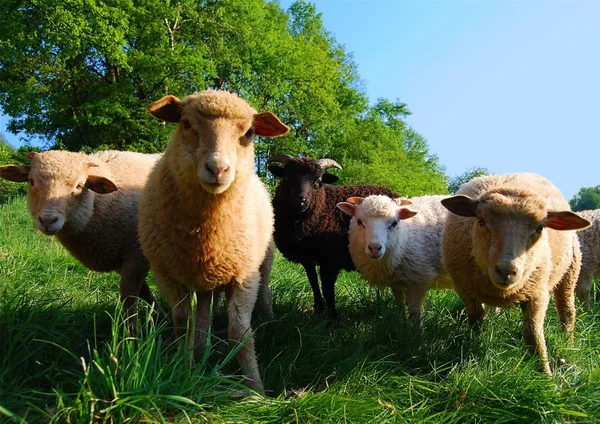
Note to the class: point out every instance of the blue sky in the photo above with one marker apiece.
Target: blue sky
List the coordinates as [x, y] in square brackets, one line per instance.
[510, 86]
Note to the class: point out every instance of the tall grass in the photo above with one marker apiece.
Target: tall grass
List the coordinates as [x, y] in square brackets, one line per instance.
[65, 355]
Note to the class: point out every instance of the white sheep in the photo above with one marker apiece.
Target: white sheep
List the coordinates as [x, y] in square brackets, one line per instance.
[505, 244]
[397, 243]
[89, 202]
[206, 219]
[589, 240]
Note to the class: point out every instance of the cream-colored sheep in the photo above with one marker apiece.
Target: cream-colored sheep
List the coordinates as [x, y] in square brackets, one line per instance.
[206, 219]
[505, 244]
[589, 240]
[397, 243]
[89, 202]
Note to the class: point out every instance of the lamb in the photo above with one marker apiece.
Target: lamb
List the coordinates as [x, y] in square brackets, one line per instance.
[89, 202]
[394, 246]
[309, 228]
[590, 256]
[206, 219]
[505, 243]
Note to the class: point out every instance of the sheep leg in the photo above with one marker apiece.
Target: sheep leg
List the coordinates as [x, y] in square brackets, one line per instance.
[534, 312]
[133, 286]
[311, 272]
[475, 310]
[264, 303]
[241, 299]
[583, 287]
[328, 277]
[415, 295]
[564, 297]
[178, 297]
[400, 300]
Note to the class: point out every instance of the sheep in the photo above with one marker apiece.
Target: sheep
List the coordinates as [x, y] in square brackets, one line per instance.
[394, 246]
[590, 256]
[505, 243]
[206, 219]
[309, 228]
[89, 202]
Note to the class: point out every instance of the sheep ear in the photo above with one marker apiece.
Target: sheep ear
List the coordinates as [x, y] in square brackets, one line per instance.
[29, 156]
[277, 171]
[347, 207]
[329, 178]
[266, 124]
[14, 173]
[566, 220]
[461, 205]
[405, 213]
[355, 200]
[402, 202]
[167, 109]
[100, 185]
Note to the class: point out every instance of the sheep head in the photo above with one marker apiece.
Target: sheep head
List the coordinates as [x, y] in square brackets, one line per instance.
[509, 228]
[375, 222]
[60, 187]
[301, 179]
[214, 137]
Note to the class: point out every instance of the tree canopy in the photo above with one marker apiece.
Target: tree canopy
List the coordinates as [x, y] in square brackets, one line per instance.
[458, 180]
[586, 198]
[79, 74]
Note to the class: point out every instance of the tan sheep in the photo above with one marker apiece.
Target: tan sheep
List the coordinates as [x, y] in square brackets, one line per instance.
[590, 256]
[505, 244]
[89, 202]
[206, 219]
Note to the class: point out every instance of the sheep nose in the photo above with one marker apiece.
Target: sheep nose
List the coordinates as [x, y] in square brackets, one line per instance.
[375, 247]
[506, 271]
[217, 171]
[47, 220]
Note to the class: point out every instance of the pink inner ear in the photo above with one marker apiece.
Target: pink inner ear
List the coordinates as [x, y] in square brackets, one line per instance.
[348, 208]
[406, 213]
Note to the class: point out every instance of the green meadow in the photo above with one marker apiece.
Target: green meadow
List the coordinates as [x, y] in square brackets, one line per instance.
[65, 357]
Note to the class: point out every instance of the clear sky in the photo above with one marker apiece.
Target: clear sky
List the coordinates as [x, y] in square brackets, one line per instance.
[510, 86]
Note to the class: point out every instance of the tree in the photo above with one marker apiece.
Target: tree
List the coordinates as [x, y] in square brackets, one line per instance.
[586, 198]
[8, 155]
[80, 73]
[455, 182]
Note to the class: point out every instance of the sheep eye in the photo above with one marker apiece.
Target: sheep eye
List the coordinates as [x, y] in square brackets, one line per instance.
[186, 124]
[359, 222]
[317, 184]
[539, 229]
[481, 222]
[79, 186]
[31, 182]
[249, 133]
[393, 224]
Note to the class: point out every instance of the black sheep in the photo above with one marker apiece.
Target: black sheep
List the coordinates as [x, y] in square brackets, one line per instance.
[309, 228]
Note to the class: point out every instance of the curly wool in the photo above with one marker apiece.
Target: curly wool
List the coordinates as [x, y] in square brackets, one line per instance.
[589, 240]
[321, 233]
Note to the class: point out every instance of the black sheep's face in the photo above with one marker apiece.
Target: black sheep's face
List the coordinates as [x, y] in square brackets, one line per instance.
[300, 182]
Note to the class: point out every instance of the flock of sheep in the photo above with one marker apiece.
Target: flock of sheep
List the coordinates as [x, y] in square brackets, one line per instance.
[202, 220]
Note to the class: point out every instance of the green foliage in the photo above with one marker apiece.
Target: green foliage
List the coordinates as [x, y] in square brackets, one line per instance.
[64, 356]
[8, 155]
[80, 74]
[586, 198]
[381, 149]
[458, 180]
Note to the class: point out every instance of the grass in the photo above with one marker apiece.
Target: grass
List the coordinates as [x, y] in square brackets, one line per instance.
[65, 357]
